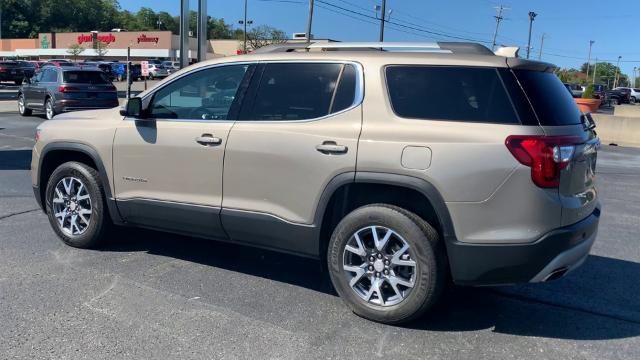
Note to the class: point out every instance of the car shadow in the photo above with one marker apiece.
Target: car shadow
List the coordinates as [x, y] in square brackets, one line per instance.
[596, 302]
[15, 159]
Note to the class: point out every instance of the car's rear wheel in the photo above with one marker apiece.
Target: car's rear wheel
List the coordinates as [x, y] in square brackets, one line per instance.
[75, 205]
[386, 263]
[49, 110]
[22, 106]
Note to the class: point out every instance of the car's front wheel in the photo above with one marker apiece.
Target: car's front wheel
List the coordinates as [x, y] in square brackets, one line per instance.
[75, 205]
[22, 106]
[386, 263]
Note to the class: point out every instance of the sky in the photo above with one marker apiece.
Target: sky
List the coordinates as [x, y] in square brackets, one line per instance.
[568, 25]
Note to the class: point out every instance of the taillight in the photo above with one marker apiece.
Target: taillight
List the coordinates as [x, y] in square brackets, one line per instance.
[66, 88]
[545, 155]
[3, 69]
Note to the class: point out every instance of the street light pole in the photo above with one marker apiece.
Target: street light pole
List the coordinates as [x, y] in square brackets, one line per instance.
[532, 16]
[589, 58]
[309, 21]
[203, 22]
[184, 33]
[595, 71]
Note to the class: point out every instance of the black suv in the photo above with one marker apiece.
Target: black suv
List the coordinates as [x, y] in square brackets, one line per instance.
[60, 89]
[11, 71]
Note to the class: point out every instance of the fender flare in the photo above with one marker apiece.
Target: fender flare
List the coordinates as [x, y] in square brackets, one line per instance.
[422, 186]
[91, 153]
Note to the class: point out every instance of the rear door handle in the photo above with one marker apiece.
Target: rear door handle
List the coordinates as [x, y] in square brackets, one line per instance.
[330, 147]
[208, 140]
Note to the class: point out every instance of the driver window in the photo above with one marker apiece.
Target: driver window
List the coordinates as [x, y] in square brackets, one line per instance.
[203, 95]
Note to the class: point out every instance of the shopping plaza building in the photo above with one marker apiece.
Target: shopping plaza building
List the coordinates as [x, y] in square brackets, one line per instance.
[142, 44]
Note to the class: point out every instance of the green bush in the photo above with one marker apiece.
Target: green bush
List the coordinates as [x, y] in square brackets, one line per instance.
[588, 92]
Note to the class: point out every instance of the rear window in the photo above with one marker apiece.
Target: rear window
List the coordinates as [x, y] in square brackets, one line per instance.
[551, 101]
[85, 77]
[8, 63]
[450, 93]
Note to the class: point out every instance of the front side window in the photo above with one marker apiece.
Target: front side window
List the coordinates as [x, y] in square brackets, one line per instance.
[204, 95]
[302, 91]
[449, 93]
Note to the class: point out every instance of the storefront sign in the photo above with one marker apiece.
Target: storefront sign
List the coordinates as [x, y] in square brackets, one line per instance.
[108, 39]
[144, 38]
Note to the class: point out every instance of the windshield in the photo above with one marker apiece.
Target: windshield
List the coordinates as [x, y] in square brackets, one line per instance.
[85, 77]
[550, 99]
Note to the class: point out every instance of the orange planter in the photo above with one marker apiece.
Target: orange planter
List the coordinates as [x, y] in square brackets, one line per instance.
[588, 105]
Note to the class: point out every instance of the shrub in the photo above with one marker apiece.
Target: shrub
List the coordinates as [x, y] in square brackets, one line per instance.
[588, 92]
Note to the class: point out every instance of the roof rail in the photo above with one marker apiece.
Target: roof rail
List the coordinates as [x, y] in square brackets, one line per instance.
[437, 47]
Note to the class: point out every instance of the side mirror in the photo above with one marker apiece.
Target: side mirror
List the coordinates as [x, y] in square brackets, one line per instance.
[26, 80]
[133, 108]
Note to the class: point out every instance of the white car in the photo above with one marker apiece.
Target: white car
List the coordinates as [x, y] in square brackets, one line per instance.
[634, 96]
[157, 71]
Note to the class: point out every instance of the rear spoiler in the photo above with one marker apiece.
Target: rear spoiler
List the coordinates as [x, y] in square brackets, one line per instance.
[524, 64]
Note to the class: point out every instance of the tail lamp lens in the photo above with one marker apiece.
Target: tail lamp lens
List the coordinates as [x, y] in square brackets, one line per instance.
[547, 156]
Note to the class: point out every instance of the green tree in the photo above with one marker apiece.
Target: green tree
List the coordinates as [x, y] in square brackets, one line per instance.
[75, 50]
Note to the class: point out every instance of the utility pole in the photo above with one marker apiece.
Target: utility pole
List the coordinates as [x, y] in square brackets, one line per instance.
[309, 21]
[541, 45]
[615, 80]
[382, 19]
[203, 21]
[499, 19]
[595, 71]
[532, 16]
[589, 58]
[184, 33]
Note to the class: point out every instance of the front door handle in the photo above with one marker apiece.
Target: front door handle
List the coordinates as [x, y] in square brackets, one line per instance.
[208, 140]
[330, 147]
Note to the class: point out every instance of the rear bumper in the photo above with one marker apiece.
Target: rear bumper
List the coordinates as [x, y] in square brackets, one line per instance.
[71, 105]
[551, 256]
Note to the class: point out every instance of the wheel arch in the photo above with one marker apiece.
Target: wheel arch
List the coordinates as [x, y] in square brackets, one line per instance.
[349, 191]
[56, 153]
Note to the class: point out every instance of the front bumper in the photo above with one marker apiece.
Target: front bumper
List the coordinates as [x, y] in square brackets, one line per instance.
[551, 256]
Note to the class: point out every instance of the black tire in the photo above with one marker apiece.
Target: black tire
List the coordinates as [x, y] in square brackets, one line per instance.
[49, 115]
[99, 222]
[426, 249]
[22, 109]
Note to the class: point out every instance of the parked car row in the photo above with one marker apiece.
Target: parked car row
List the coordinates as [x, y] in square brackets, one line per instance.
[618, 95]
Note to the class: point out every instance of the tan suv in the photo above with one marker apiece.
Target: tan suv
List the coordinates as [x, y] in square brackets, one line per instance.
[403, 170]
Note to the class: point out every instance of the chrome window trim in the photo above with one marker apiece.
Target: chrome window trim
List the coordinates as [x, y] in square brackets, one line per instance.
[357, 100]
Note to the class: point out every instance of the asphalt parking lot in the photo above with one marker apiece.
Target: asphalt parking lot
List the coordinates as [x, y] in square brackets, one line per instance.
[153, 295]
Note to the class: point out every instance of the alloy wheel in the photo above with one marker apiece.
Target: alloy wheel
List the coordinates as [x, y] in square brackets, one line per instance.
[21, 104]
[379, 266]
[49, 109]
[72, 206]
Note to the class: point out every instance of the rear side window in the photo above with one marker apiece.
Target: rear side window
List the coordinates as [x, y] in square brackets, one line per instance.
[450, 94]
[50, 75]
[300, 91]
[85, 77]
[551, 101]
